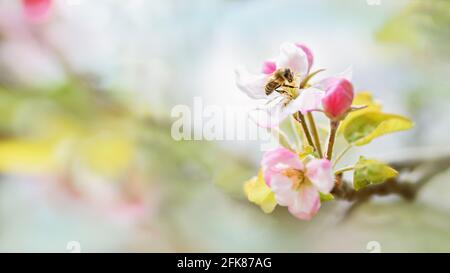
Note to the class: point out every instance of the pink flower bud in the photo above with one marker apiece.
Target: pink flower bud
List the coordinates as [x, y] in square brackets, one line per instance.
[36, 10]
[308, 53]
[338, 98]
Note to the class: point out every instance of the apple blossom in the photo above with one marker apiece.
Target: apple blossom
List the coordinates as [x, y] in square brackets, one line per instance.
[299, 59]
[295, 184]
[301, 178]
[303, 98]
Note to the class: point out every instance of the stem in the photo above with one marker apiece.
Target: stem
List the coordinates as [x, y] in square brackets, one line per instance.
[315, 134]
[339, 157]
[301, 119]
[307, 78]
[333, 129]
[346, 169]
[298, 137]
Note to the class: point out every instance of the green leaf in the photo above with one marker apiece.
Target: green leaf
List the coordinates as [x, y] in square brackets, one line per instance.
[326, 197]
[366, 98]
[363, 98]
[370, 171]
[362, 129]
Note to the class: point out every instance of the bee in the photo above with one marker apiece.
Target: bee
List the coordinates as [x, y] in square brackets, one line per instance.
[278, 79]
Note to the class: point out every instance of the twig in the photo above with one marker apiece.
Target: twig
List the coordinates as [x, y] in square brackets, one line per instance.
[393, 186]
[345, 169]
[315, 133]
[341, 155]
[333, 130]
[415, 172]
[301, 119]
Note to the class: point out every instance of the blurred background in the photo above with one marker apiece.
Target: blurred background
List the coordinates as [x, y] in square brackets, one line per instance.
[86, 92]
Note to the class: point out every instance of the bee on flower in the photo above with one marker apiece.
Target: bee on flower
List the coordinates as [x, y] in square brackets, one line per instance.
[299, 178]
[284, 86]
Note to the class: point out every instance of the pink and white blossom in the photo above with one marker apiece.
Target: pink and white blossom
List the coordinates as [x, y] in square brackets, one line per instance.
[309, 54]
[295, 184]
[298, 58]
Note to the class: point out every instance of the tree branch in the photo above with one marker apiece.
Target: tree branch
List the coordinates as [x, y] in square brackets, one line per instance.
[416, 167]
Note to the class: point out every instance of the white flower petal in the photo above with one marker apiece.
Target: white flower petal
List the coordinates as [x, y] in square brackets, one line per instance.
[319, 172]
[270, 116]
[306, 202]
[282, 187]
[251, 84]
[309, 99]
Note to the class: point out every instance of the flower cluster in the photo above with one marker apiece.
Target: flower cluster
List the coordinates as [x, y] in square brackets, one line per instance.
[301, 177]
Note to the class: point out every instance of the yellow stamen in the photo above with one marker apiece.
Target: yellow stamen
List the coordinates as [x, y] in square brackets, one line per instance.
[296, 176]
